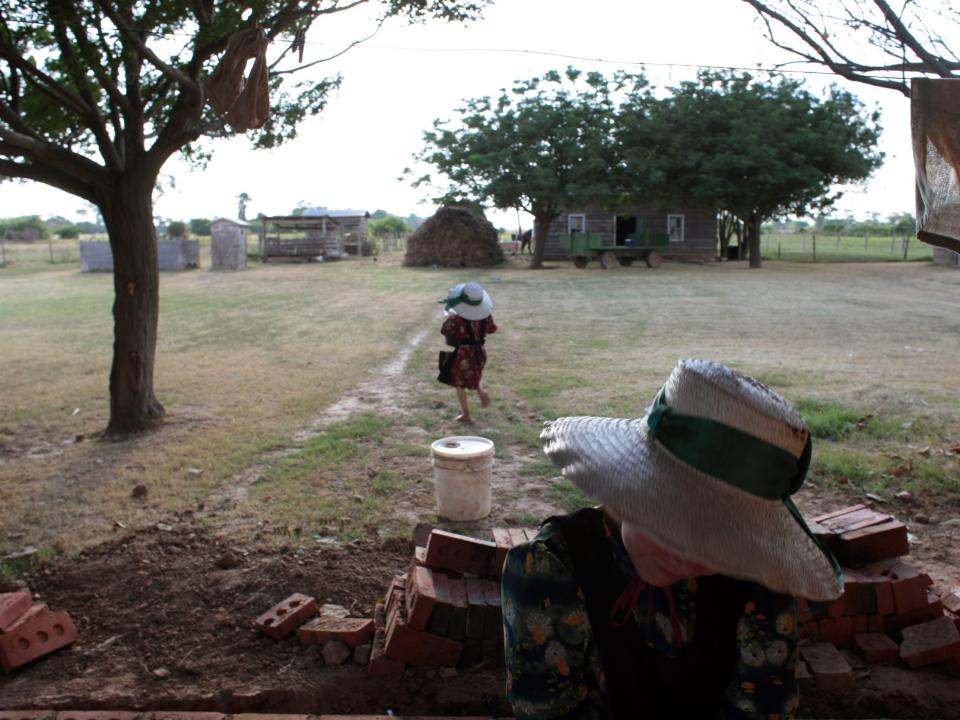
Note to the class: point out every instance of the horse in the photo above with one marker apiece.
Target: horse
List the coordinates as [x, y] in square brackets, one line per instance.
[525, 240]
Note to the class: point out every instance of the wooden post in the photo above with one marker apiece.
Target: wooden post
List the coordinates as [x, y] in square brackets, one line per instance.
[906, 246]
[3, 250]
[779, 248]
[893, 240]
[50, 248]
[866, 238]
[838, 241]
[814, 247]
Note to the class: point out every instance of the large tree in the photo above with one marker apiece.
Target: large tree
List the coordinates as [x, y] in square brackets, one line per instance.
[868, 41]
[96, 95]
[544, 146]
[755, 148]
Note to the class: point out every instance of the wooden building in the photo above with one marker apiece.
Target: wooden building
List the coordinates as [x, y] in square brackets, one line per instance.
[692, 232]
[302, 237]
[228, 244]
[354, 224]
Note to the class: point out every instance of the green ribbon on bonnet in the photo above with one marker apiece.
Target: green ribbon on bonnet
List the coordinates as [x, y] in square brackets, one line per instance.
[736, 458]
[449, 302]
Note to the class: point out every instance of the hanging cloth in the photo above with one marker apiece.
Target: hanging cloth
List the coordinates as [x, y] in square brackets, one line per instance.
[935, 121]
[245, 104]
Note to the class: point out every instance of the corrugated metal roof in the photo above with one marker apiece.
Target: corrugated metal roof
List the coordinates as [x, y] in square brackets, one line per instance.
[335, 213]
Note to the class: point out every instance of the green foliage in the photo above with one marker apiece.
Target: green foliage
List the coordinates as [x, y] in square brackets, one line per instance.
[389, 226]
[756, 148]
[369, 247]
[67, 232]
[176, 229]
[26, 228]
[199, 226]
[543, 146]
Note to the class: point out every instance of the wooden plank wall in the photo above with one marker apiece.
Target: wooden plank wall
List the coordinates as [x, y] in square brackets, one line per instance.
[700, 230]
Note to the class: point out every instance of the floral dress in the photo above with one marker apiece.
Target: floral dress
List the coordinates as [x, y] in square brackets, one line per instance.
[468, 366]
[553, 663]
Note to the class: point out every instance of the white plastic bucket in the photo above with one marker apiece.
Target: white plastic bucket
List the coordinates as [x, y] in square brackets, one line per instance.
[463, 476]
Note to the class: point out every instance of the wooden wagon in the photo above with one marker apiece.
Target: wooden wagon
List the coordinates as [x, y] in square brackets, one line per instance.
[584, 247]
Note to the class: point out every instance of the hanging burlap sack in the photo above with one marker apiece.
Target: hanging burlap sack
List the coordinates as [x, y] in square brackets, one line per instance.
[935, 120]
[245, 104]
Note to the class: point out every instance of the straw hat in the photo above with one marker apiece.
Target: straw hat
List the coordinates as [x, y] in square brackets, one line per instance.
[469, 301]
[708, 473]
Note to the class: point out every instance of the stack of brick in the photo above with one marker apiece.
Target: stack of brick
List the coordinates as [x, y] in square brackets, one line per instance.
[446, 610]
[339, 636]
[885, 599]
[30, 631]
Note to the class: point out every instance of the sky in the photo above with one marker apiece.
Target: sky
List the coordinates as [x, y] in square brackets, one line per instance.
[397, 83]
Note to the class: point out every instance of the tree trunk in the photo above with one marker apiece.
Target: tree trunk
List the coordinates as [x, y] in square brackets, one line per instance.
[753, 225]
[128, 213]
[539, 242]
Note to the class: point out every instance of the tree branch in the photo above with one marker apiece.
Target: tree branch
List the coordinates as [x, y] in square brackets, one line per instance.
[907, 38]
[47, 176]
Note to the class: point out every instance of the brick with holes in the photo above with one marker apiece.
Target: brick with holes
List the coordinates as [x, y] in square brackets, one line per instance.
[285, 617]
[36, 633]
[350, 631]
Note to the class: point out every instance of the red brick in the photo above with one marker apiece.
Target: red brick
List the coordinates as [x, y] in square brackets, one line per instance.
[36, 633]
[830, 669]
[859, 594]
[823, 535]
[894, 624]
[449, 551]
[858, 517]
[876, 648]
[379, 664]
[96, 715]
[442, 608]
[859, 624]
[804, 678]
[826, 517]
[355, 717]
[178, 715]
[810, 631]
[268, 716]
[476, 608]
[908, 586]
[420, 555]
[517, 536]
[871, 544]
[503, 541]
[285, 617]
[531, 533]
[420, 597]
[493, 626]
[12, 606]
[420, 648]
[930, 642]
[457, 628]
[27, 714]
[350, 631]
[875, 623]
[827, 631]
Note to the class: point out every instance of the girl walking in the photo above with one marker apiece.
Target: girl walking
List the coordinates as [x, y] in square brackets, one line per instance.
[468, 322]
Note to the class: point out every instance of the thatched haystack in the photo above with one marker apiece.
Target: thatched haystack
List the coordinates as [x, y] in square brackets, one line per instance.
[454, 237]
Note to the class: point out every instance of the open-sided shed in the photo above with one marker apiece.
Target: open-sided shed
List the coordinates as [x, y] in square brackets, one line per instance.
[303, 237]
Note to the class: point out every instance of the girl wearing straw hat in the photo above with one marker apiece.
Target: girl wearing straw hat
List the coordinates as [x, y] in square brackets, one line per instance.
[676, 598]
[468, 322]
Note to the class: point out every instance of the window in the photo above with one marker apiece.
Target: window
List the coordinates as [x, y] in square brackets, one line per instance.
[675, 228]
[576, 223]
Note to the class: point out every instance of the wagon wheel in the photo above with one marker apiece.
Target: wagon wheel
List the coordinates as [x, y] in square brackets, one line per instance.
[626, 261]
[581, 261]
[653, 259]
[609, 260]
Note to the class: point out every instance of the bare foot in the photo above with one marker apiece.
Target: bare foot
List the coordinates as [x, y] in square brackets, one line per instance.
[464, 419]
[484, 399]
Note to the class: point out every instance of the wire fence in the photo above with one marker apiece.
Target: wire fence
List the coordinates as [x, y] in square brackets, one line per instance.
[813, 247]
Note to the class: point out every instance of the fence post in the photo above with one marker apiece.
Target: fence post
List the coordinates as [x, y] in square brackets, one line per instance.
[893, 239]
[814, 247]
[779, 246]
[50, 248]
[865, 239]
[3, 250]
[906, 245]
[838, 241]
[803, 241]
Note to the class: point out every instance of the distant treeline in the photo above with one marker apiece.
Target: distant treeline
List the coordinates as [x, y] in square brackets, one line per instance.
[897, 225]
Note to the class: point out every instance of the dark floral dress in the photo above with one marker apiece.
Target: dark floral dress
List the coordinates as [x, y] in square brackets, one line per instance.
[468, 366]
[553, 663]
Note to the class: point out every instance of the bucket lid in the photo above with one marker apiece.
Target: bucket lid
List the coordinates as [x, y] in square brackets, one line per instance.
[462, 447]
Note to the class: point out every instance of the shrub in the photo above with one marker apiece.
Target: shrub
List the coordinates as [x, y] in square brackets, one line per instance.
[68, 232]
[176, 229]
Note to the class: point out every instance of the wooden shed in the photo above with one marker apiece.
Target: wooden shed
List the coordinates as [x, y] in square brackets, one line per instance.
[302, 237]
[692, 231]
[172, 255]
[228, 244]
[353, 222]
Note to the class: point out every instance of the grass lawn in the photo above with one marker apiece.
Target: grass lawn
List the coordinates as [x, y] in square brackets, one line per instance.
[250, 363]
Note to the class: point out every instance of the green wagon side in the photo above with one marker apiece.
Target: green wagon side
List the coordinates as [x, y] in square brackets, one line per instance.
[584, 247]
